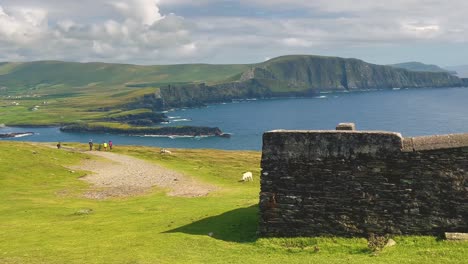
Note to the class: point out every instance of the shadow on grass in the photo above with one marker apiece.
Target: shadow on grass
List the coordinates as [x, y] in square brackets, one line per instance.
[239, 225]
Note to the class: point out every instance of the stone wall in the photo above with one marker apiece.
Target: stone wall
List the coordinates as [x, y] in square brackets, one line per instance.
[351, 183]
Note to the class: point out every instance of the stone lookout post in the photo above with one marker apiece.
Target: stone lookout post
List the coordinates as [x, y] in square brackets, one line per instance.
[350, 183]
[346, 126]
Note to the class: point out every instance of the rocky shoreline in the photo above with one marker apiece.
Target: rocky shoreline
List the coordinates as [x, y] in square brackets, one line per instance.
[180, 131]
[16, 134]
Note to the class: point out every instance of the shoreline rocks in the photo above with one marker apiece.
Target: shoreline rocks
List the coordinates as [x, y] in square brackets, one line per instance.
[192, 131]
[16, 134]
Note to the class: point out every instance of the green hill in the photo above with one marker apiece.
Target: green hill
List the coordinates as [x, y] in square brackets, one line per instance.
[461, 70]
[418, 66]
[55, 93]
[44, 74]
[332, 73]
[305, 75]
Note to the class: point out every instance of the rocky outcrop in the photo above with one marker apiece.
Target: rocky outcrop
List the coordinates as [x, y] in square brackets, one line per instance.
[151, 101]
[140, 119]
[157, 131]
[16, 134]
[194, 95]
[465, 82]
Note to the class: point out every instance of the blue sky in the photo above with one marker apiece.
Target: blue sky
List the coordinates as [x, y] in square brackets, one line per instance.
[226, 31]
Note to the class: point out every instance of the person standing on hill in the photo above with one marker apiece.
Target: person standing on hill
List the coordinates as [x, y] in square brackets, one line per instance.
[59, 145]
[90, 144]
[104, 145]
[110, 144]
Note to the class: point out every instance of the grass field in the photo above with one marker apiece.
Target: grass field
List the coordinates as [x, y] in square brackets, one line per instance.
[45, 219]
[73, 92]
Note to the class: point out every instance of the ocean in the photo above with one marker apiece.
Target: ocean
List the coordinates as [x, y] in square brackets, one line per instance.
[413, 112]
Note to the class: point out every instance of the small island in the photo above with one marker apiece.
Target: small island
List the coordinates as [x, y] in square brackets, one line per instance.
[190, 131]
[16, 134]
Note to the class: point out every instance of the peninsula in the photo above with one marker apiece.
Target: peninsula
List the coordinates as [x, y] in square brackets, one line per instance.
[109, 95]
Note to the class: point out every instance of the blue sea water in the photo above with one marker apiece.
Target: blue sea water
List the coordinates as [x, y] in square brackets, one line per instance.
[412, 112]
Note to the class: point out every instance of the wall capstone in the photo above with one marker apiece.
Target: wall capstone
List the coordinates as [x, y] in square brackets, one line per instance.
[346, 126]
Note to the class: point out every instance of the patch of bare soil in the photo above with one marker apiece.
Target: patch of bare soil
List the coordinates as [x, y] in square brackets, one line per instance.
[118, 175]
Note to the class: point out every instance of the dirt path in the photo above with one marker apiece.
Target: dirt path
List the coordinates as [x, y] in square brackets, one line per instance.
[119, 175]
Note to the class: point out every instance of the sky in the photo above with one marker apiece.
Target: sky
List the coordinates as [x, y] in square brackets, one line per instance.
[227, 31]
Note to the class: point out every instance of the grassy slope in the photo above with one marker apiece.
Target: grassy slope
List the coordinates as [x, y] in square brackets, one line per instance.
[283, 68]
[40, 220]
[418, 66]
[43, 75]
[73, 91]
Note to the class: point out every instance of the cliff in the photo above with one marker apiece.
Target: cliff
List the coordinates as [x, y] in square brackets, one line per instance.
[302, 75]
[332, 73]
[465, 82]
[193, 95]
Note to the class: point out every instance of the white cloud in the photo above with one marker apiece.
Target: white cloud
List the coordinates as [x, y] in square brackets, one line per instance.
[188, 49]
[22, 26]
[145, 11]
[421, 30]
[296, 42]
[136, 32]
[147, 31]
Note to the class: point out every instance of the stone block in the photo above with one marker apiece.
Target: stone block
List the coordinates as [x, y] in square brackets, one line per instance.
[456, 236]
[346, 126]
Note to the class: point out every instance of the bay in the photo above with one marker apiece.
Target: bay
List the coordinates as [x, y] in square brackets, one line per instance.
[413, 112]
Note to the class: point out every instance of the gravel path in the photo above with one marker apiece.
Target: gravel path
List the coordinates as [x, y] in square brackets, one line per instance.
[120, 175]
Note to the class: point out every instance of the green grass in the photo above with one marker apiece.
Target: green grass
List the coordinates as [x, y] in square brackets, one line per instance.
[74, 91]
[44, 219]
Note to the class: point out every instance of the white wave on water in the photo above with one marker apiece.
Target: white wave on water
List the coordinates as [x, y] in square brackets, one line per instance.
[173, 136]
[164, 136]
[321, 97]
[174, 117]
[23, 135]
[182, 120]
[180, 136]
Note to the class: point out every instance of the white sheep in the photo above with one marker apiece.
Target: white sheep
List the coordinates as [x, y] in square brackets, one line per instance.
[165, 151]
[247, 176]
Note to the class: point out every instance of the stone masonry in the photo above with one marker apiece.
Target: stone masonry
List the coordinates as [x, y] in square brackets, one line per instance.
[352, 183]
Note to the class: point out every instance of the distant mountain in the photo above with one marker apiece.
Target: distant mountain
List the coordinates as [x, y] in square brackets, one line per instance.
[462, 70]
[41, 75]
[305, 75]
[334, 73]
[418, 66]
